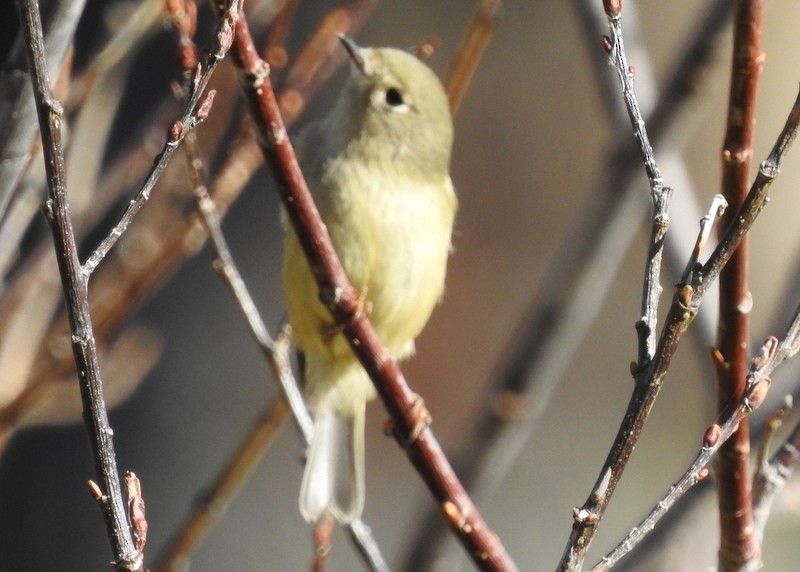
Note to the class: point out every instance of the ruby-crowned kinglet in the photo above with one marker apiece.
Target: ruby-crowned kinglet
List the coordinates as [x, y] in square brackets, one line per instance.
[378, 168]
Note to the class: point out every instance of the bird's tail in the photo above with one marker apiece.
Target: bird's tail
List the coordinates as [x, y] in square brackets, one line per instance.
[333, 481]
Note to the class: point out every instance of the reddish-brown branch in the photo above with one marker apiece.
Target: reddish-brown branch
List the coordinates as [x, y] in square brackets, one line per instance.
[739, 549]
[470, 54]
[408, 413]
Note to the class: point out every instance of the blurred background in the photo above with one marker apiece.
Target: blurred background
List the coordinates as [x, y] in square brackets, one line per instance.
[534, 138]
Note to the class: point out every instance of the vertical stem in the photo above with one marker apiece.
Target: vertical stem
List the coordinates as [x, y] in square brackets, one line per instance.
[75, 284]
[739, 549]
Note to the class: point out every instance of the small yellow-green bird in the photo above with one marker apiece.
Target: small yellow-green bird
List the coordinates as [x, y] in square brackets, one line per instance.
[378, 166]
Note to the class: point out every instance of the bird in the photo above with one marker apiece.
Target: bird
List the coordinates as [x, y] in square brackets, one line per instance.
[378, 168]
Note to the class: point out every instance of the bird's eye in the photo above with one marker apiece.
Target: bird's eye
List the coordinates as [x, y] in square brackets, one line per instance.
[394, 98]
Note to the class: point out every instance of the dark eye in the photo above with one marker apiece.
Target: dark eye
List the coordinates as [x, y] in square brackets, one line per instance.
[393, 97]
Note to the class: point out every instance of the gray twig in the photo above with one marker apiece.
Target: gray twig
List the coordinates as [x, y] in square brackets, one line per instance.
[758, 382]
[684, 308]
[75, 285]
[197, 108]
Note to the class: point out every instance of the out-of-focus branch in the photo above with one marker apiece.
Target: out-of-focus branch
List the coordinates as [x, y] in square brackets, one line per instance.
[470, 54]
[772, 474]
[320, 57]
[75, 285]
[17, 116]
[410, 418]
[739, 549]
[211, 505]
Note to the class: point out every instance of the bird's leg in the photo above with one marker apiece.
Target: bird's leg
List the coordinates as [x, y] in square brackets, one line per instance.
[363, 308]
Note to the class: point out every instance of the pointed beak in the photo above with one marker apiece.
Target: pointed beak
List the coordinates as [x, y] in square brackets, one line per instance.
[355, 52]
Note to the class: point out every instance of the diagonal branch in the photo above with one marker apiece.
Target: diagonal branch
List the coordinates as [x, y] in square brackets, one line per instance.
[771, 355]
[684, 308]
[411, 420]
[197, 107]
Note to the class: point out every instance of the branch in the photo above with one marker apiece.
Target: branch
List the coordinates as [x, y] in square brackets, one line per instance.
[587, 518]
[75, 285]
[541, 345]
[210, 506]
[468, 58]
[758, 382]
[410, 418]
[205, 516]
[773, 474]
[197, 108]
[739, 548]
[684, 308]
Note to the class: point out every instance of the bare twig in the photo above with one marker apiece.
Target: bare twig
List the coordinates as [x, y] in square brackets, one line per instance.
[660, 195]
[197, 107]
[469, 56]
[739, 549]
[758, 382]
[717, 208]
[410, 417]
[226, 268]
[773, 474]
[277, 354]
[75, 285]
[593, 510]
[541, 346]
[684, 308]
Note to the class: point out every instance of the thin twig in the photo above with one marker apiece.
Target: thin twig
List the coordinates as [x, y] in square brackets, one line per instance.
[75, 284]
[718, 206]
[773, 474]
[277, 355]
[685, 305]
[228, 271]
[771, 355]
[646, 327]
[196, 108]
[541, 346]
[660, 195]
[410, 417]
[739, 549]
